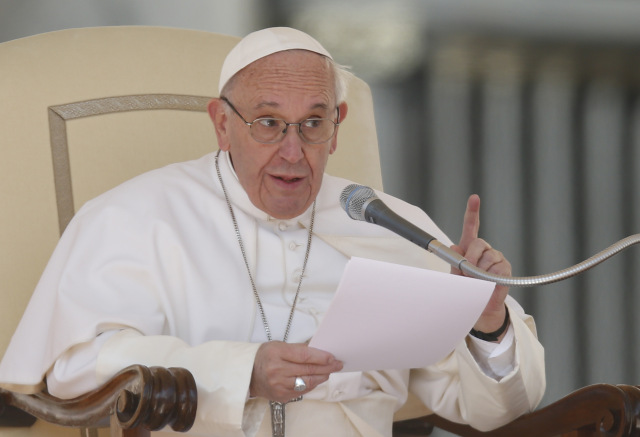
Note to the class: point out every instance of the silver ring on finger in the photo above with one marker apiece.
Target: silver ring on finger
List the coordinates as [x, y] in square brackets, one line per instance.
[299, 385]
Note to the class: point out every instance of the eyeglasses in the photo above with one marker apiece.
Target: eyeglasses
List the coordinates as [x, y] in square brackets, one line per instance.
[271, 130]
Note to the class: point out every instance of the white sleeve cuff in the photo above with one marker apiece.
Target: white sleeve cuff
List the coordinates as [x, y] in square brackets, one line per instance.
[496, 360]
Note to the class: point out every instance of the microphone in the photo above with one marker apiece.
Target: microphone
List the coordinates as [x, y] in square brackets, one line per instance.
[362, 203]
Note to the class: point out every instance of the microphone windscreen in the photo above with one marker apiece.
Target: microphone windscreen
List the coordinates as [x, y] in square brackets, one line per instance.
[353, 198]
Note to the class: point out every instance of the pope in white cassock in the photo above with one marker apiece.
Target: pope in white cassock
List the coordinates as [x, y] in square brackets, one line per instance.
[225, 266]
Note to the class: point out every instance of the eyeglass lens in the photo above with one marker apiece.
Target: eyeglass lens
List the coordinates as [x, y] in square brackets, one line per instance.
[312, 130]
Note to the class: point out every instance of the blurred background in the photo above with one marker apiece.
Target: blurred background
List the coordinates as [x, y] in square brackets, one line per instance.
[531, 104]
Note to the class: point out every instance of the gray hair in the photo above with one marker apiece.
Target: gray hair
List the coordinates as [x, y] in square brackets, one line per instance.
[342, 76]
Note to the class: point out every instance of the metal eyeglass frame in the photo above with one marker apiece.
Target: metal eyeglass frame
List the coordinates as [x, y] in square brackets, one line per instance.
[287, 124]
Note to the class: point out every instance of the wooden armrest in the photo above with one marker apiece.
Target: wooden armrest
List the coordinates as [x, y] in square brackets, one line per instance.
[595, 410]
[138, 396]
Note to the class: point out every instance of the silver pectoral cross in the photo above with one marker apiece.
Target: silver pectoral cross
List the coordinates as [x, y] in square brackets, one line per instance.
[277, 416]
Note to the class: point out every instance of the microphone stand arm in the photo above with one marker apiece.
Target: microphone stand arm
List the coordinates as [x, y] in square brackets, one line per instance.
[361, 203]
[461, 263]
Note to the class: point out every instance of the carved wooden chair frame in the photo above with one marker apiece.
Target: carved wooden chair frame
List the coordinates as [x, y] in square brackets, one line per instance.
[139, 400]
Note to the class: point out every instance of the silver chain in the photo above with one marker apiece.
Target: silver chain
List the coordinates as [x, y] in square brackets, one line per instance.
[265, 323]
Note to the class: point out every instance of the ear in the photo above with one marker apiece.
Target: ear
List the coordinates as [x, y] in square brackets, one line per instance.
[343, 111]
[219, 118]
[343, 108]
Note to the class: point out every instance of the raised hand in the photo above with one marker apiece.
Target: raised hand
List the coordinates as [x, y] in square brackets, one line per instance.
[480, 253]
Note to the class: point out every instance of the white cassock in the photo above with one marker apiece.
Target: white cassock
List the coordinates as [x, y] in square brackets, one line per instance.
[151, 273]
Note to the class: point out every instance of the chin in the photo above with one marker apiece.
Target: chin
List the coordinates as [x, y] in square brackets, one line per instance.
[286, 209]
[282, 215]
[285, 213]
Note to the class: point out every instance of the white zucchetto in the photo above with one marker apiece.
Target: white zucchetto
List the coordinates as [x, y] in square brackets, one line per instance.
[263, 43]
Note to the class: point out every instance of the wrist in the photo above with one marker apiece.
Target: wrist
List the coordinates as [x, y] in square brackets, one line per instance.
[493, 335]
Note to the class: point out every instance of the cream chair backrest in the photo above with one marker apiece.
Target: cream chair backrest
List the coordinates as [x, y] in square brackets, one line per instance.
[83, 110]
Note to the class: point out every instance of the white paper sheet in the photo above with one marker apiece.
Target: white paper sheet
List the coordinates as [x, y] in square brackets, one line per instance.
[388, 316]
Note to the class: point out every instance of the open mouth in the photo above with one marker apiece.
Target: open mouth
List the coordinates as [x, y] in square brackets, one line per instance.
[288, 180]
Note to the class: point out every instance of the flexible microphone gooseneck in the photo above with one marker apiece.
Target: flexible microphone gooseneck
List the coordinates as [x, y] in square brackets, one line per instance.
[362, 203]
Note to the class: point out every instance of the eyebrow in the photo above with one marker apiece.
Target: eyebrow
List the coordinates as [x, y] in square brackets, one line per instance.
[277, 105]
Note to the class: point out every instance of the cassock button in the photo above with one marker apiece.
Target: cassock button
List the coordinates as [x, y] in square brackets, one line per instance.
[293, 245]
[282, 226]
[296, 275]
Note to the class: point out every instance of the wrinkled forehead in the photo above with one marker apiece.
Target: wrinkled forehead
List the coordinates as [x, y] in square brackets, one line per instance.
[265, 42]
[298, 74]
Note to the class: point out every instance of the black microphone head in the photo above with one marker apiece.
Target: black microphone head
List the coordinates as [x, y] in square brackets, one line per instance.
[353, 199]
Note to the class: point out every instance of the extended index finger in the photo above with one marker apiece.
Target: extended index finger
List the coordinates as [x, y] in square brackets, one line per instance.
[471, 222]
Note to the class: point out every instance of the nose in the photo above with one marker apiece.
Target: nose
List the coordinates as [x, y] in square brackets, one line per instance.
[291, 145]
